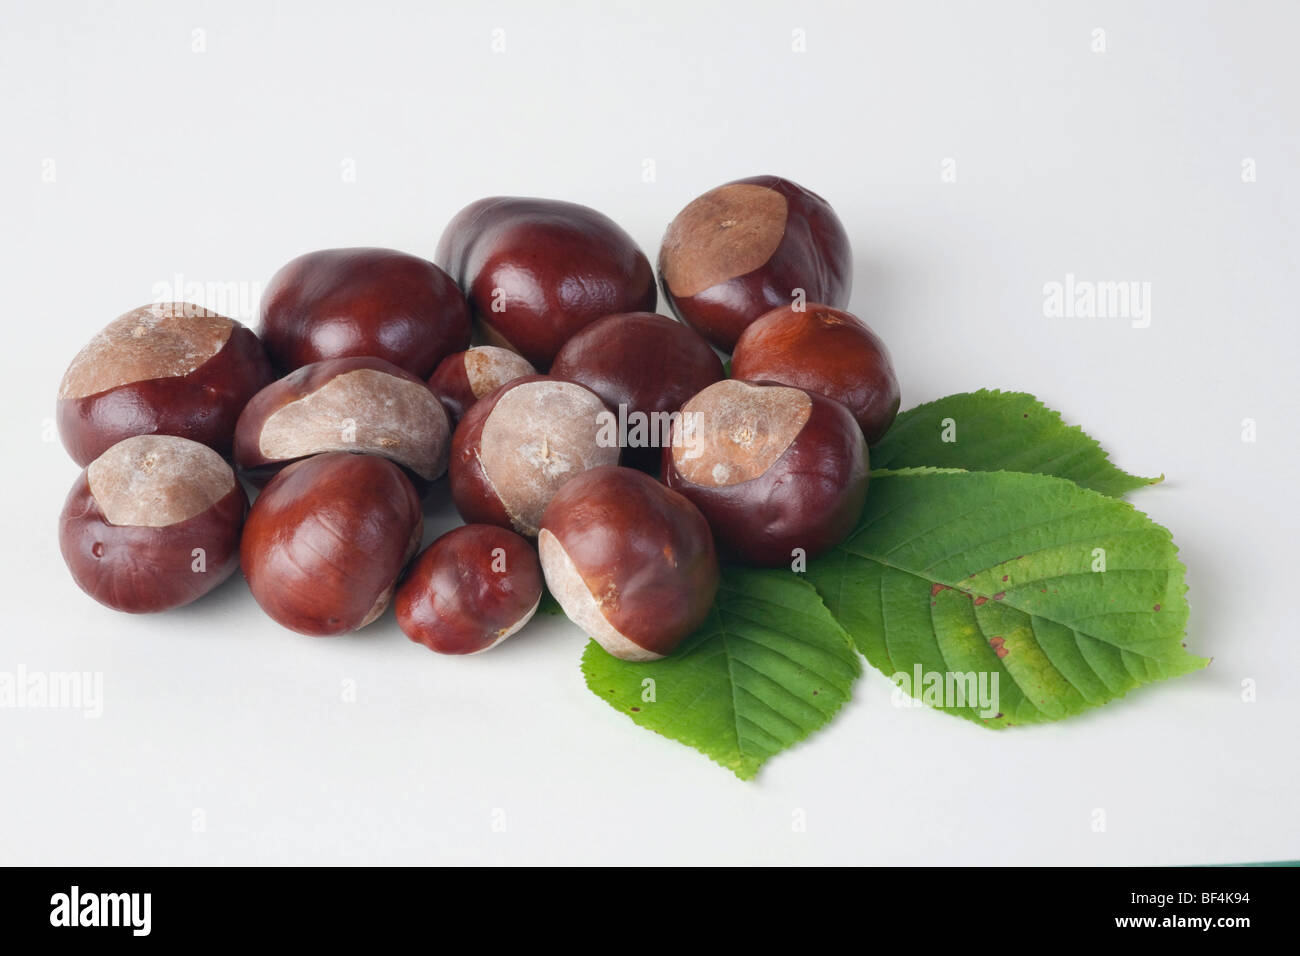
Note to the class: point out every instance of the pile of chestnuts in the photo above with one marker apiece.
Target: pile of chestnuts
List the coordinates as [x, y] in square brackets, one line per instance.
[595, 449]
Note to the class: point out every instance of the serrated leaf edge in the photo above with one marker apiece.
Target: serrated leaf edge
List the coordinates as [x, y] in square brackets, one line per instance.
[746, 767]
[1202, 662]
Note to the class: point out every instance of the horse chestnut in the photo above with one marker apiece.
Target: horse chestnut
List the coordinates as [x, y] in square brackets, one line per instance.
[170, 368]
[631, 562]
[515, 447]
[153, 523]
[326, 540]
[744, 248]
[470, 590]
[462, 378]
[538, 270]
[645, 366]
[340, 303]
[350, 404]
[826, 351]
[774, 469]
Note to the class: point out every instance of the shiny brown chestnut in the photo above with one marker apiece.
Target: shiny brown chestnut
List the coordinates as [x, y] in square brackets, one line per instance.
[631, 562]
[342, 303]
[152, 524]
[326, 540]
[363, 405]
[515, 447]
[777, 471]
[827, 351]
[170, 368]
[536, 271]
[746, 247]
[470, 590]
[462, 378]
[645, 366]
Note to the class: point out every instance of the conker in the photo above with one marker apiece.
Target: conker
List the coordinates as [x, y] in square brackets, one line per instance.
[462, 378]
[645, 366]
[471, 589]
[326, 540]
[515, 447]
[536, 271]
[153, 523]
[339, 303]
[170, 368]
[827, 351]
[773, 469]
[744, 248]
[362, 405]
[631, 562]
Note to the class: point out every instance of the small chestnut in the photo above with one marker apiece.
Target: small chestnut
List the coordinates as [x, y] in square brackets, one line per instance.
[515, 447]
[169, 368]
[827, 351]
[744, 248]
[774, 469]
[645, 366]
[471, 589]
[326, 540]
[631, 562]
[462, 378]
[340, 303]
[538, 270]
[363, 405]
[153, 523]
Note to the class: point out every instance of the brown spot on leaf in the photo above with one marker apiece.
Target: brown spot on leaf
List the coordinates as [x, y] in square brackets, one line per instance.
[1005, 577]
[1000, 595]
[1157, 607]
[936, 588]
[981, 600]
[637, 709]
[999, 645]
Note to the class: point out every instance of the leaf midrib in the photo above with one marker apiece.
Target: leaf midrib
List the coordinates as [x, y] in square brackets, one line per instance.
[1012, 604]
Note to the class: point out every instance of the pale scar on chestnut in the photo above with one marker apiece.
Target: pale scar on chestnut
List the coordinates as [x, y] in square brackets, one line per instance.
[729, 231]
[163, 340]
[741, 431]
[155, 481]
[383, 411]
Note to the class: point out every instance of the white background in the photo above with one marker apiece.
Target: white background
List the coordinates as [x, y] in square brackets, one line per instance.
[220, 165]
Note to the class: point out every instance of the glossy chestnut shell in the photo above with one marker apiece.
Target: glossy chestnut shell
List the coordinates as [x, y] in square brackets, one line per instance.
[827, 351]
[462, 378]
[777, 471]
[361, 405]
[536, 271]
[342, 303]
[631, 562]
[153, 524]
[749, 246]
[515, 447]
[470, 590]
[169, 368]
[326, 540]
[645, 366]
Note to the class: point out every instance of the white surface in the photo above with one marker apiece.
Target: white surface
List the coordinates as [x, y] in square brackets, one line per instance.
[221, 165]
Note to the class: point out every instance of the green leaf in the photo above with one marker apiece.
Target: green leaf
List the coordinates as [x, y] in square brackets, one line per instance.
[548, 604]
[995, 574]
[1000, 431]
[767, 668]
